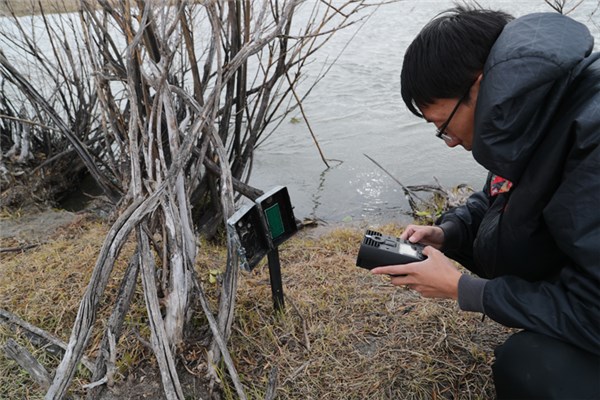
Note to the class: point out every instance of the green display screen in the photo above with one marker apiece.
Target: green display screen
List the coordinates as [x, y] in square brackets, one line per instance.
[275, 221]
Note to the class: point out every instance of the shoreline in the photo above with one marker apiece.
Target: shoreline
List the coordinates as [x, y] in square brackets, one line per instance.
[38, 224]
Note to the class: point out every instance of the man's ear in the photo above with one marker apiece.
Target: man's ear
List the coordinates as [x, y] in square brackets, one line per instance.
[475, 88]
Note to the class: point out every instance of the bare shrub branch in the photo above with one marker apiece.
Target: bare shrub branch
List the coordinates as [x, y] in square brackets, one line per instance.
[164, 102]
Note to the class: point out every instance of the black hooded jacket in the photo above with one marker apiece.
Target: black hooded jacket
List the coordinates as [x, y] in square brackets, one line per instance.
[537, 124]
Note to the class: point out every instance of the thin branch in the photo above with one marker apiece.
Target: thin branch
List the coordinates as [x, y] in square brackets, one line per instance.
[409, 195]
[299, 102]
[19, 248]
[39, 336]
[28, 121]
[220, 340]
[28, 362]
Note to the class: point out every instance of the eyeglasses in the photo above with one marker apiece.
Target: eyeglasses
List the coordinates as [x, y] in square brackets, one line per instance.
[441, 131]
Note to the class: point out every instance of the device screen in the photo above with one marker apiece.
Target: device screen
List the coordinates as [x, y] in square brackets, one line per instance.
[408, 250]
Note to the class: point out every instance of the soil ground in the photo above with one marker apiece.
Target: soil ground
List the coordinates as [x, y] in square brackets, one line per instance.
[36, 227]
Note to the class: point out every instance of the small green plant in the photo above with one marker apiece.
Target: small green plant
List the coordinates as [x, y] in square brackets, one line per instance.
[213, 275]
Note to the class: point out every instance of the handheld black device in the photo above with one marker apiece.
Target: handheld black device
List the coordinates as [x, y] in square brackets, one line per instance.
[377, 250]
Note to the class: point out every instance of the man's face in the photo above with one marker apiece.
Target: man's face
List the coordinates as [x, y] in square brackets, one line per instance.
[456, 116]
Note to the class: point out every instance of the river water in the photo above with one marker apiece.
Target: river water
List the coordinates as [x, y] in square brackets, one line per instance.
[357, 109]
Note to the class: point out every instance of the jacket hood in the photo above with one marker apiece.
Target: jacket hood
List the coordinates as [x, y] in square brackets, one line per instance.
[525, 76]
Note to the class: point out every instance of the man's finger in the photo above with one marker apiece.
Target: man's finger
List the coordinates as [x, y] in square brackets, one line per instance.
[390, 270]
[430, 250]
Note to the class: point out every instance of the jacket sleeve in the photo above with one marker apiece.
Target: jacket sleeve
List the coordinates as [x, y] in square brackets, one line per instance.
[567, 307]
[460, 227]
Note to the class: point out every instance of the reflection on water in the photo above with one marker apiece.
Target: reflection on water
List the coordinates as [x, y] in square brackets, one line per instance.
[368, 185]
[316, 197]
[358, 109]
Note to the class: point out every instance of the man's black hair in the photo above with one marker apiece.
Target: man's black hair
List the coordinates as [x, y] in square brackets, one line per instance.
[444, 59]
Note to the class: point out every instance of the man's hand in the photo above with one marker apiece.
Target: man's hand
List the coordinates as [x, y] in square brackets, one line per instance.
[427, 235]
[435, 277]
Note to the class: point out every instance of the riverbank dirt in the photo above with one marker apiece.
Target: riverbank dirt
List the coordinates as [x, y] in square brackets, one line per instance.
[34, 227]
[344, 334]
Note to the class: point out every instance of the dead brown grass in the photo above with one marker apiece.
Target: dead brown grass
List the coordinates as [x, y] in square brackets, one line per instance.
[345, 334]
[27, 7]
[33, 7]
[44, 286]
[349, 335]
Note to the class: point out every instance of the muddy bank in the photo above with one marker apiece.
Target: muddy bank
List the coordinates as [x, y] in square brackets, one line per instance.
[35, 227]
